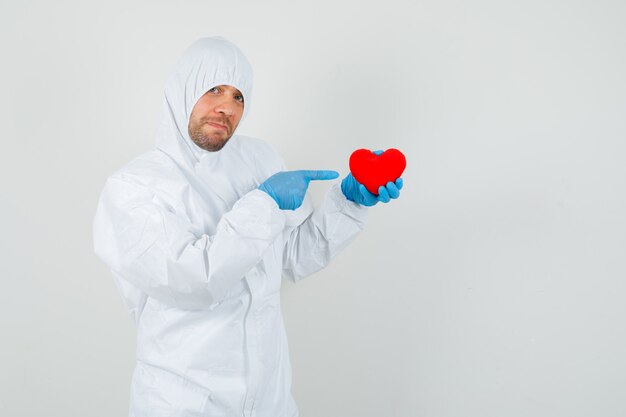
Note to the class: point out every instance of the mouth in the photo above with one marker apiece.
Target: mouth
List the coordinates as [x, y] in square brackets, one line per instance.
[217, 125]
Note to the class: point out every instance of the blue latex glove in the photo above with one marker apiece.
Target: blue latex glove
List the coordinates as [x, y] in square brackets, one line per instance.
[288, 188]
[355, 191]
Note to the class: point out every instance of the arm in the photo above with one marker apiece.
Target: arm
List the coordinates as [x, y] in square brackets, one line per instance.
[160, 252]
[330, 228]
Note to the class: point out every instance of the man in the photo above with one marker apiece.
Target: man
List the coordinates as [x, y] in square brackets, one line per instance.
[198, 233]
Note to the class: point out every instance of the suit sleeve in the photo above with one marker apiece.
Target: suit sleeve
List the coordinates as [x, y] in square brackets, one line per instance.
[326, 231]
[160, 252]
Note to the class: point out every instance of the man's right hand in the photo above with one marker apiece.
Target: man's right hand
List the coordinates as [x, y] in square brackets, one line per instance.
[288, 188]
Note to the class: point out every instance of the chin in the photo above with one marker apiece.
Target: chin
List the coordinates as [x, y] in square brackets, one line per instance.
[209, 143]
[217, 147]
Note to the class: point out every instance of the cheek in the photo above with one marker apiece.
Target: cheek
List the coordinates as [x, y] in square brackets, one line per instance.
[201, 108]
[238, 116]
[195, 122]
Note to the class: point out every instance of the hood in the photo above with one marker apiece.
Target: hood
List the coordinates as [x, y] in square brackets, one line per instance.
[207, 63]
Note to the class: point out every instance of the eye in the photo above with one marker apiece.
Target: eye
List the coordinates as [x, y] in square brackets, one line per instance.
[214, 90]
[239, 98]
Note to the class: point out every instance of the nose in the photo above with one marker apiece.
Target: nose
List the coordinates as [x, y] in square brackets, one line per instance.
[225, 107]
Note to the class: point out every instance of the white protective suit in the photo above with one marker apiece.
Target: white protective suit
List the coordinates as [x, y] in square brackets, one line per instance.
[198, 252]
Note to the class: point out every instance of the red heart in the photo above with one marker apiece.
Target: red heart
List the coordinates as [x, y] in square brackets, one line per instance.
[373, 170]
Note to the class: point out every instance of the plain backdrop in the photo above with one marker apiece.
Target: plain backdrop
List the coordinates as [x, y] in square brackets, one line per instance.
[495, 285]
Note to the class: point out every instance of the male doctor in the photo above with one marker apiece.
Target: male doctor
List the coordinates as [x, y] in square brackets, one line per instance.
[198, 233]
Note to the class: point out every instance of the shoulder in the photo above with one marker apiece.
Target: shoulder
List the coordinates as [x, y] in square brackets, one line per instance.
[149, 166]
[249, 144]
[258, 153]
[140, 177]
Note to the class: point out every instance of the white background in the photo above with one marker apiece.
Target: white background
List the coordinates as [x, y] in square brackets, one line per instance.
[495, 285]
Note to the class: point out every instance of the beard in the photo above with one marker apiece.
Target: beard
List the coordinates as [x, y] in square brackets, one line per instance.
[209, 141]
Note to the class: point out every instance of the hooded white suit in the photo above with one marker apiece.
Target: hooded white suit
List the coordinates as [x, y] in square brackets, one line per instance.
[198, 253]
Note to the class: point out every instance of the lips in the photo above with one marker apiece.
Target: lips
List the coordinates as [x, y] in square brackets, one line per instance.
[217, 125]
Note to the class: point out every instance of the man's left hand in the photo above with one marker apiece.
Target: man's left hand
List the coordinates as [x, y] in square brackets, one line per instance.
[355, 191]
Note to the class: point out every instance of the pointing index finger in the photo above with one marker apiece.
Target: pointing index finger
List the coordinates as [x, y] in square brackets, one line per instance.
[320, 174]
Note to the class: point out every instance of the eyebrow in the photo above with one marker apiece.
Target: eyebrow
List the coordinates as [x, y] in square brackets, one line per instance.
[237, 91]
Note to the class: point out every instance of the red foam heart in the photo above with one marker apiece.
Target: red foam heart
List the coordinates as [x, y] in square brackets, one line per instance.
[373, 170]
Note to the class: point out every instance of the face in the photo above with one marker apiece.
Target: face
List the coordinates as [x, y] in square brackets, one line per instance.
[215, 117]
